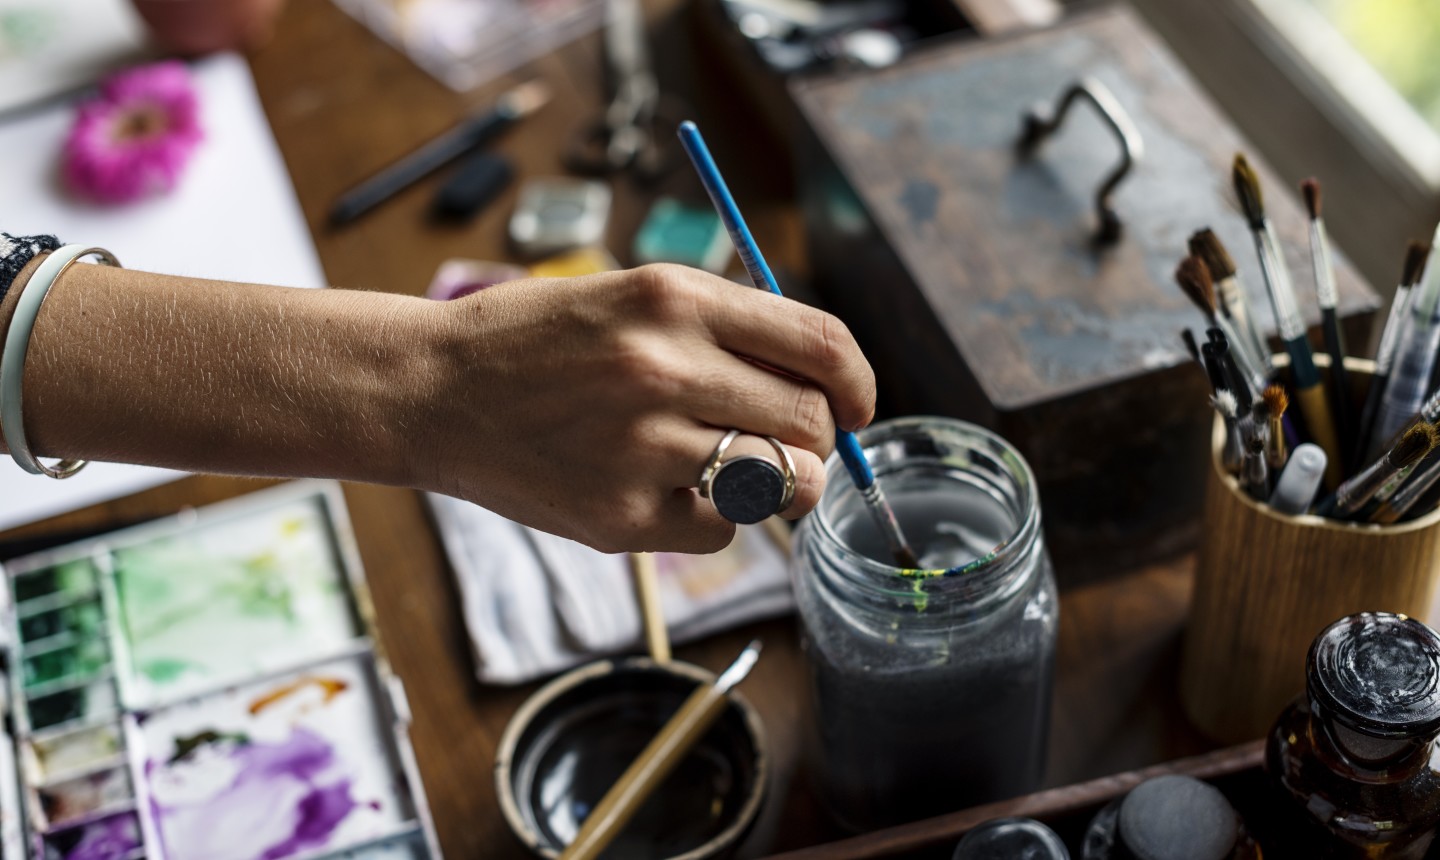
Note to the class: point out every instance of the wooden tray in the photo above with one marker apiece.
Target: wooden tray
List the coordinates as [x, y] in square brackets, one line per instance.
[1237, 771]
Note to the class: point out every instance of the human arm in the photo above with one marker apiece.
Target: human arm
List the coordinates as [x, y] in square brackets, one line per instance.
[584, 407]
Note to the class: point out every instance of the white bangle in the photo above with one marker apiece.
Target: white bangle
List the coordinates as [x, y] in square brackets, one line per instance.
[12, 360]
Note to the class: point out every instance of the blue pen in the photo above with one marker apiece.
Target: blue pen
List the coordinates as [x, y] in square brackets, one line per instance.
[845, 442]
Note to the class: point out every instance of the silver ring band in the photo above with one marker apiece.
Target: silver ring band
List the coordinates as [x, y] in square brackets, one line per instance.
[787, 466]
[713, 464]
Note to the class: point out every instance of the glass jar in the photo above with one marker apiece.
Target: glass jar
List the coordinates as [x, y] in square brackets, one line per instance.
[1356, 754]
[931, 687]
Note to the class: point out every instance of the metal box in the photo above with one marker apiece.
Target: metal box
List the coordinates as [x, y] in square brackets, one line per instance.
[972, 275]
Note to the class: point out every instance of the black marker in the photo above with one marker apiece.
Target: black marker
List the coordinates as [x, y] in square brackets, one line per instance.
[511, 107]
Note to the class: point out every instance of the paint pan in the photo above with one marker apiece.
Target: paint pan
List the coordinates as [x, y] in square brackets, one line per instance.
[114, 837]
[89, 795]
[234, 594]
[76, 621]
[303, 762]
[53, 586]
[50, 756]
[65, 703]
[573, 738]
[67, 659]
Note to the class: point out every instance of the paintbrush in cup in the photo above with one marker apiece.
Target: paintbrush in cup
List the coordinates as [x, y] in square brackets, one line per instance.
[1273, 402]
[1309, 392]
[652, 615]
[1328, 298]
[1194, 280]
[1221, 266]
[1416, 255]
[1359, 490]
[1409, 380]
[657, 760]
[846, 444]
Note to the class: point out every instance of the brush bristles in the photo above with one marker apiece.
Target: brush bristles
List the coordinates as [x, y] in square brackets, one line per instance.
[1194, 279]
[1256, 443]
[1415, 444]
[1415, 256]
[1226, 403]
[1275, 399]
[1311, 189]
[1208, 247]
[1247, 188]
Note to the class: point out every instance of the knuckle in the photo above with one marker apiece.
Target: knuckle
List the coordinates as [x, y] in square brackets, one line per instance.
[664, 291]
[829, 339]
[812, 416]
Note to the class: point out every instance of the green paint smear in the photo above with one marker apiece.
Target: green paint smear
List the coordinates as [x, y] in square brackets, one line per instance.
[164, 670]
[922, 602]
[232, 599]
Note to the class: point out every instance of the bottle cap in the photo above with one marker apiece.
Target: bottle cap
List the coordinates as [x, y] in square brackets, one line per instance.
[1379, 674]
[1177, 818]
[1009, 839]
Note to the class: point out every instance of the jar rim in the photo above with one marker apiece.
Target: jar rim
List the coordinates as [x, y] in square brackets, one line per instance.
[981, 571]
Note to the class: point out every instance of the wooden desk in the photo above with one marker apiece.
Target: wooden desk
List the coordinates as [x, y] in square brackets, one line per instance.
[342, 103]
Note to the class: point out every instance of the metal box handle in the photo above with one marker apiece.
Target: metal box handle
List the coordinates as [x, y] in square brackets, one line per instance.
[1041, 121]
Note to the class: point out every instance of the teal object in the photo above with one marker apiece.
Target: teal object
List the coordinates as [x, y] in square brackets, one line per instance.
[676, 233]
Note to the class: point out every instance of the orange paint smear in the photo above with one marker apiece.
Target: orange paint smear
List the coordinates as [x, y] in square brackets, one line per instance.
[331, 687]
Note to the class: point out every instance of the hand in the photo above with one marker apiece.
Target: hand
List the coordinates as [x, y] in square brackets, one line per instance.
[587, 407]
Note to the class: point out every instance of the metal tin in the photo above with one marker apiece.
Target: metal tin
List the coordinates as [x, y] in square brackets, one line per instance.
[577, 734]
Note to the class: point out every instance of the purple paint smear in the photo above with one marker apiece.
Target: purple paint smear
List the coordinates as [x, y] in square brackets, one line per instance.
[105, 839]
[276, 803]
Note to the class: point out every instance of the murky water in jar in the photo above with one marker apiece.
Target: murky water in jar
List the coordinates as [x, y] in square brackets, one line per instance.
[956, 715]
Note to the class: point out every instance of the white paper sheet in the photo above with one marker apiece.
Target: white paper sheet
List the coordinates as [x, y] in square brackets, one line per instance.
[233, 216]
[49, 47]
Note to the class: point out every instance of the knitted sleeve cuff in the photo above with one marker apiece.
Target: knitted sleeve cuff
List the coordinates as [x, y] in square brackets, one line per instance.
[16, 251]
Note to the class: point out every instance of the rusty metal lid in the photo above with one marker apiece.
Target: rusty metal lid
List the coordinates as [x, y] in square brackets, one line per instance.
[1001, 243]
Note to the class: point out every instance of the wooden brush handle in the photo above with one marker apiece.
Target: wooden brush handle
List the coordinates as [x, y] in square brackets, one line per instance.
[647, 588]
[646, 773]
[1315, 407]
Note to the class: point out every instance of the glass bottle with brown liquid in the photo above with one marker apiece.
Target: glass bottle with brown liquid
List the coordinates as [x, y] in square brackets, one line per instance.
[1356, 756]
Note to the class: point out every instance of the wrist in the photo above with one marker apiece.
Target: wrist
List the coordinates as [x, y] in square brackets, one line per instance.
[410, 406]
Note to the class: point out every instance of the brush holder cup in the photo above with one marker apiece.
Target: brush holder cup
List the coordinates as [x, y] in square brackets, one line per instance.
[1266, 584]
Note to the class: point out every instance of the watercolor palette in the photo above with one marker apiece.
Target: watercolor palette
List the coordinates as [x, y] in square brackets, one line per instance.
[208, 686]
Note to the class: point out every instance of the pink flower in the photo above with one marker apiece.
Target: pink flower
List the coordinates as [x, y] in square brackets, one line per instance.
[135, 138]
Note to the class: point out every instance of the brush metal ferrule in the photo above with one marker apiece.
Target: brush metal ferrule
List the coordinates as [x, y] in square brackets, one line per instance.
[1393, 485]
[1394, 326]
[1325, 291]
[1275, 450]
[1232, 455]
[1233, 294]
[1277, 281]
[1406, 497]
[1255, 378]
[1430, 409]
[884, 517]
[1255, 475]
[1409, 379]
[1354, 493]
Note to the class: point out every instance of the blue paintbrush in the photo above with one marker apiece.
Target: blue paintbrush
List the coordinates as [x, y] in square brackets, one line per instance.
[845, 442]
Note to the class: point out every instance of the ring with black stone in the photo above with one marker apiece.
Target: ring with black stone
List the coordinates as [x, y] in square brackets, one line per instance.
[748, 488]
